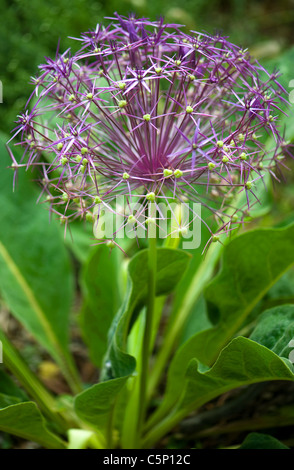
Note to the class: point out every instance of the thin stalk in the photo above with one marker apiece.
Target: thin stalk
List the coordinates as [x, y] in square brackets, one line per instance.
[129, 435]
[147, 339]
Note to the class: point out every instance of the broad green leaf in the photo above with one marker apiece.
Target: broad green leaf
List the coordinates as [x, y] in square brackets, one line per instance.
[241, 362]
[171, 265]
[275, 329]
[283, 290]
[7, 400]
[9, 387]
[95, 404]
[100, 289]
[252, 263]
[25, 420]
[256, 440]
[36, 278]
[198, 321]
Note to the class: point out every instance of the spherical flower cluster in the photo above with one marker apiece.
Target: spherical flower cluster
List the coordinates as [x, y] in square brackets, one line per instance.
[146, 111]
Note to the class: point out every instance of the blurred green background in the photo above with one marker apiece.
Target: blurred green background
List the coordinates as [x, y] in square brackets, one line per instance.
[30, 30]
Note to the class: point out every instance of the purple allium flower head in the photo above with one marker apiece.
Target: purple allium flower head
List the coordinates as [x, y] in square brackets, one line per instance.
[147, 111]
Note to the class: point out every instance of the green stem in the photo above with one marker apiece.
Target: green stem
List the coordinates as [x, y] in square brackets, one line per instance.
[152, 265]
[193, 292]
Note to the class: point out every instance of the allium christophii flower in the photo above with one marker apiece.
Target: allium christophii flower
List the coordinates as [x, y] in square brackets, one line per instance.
[145, 111]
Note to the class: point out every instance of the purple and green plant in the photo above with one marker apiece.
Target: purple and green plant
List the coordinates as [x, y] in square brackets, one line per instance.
[148, 114]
